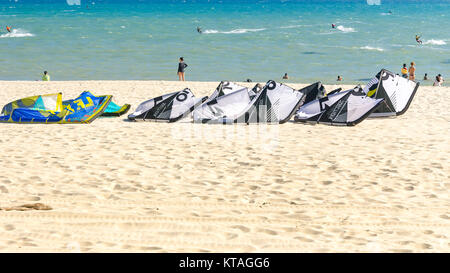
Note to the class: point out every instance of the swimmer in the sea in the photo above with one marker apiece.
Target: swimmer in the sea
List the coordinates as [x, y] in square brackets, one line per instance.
[199, 30]
[8, 28]
[418, 39]
[333, 26]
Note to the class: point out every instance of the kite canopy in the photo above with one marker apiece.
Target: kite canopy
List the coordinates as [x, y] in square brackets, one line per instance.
[225, 88]
[348, 107]
[51, 109]
[169, 108]
[114, 110]
[275, 103]
[50, 102]
[396, 91]
[228, 99]
[312, 92]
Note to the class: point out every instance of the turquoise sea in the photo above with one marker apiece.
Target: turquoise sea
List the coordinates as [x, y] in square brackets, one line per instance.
[260, 40]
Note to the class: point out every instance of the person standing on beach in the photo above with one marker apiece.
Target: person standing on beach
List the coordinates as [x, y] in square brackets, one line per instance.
[181, 67]
[412, 72]
[404, 71]
[46, 77]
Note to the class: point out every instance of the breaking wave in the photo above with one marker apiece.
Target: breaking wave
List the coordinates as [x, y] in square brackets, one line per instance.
[234, 31]
[374, 2]
[345, 29]
[372, 48]
[292, 26]
[434, 42]
[73, 2]
[17, 33]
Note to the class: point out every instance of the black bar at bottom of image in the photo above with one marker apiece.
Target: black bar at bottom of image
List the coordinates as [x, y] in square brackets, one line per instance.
[221, 262]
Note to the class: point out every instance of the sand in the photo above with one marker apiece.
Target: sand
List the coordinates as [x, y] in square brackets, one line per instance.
[116, 186]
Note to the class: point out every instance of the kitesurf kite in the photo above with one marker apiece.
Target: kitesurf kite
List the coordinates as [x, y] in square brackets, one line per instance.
[228, 99]
[348, 107]
[225, 88]
[385, 95]
[113, 110]
[51, 109]
[396, 91]
[169, 108]
[275, 103]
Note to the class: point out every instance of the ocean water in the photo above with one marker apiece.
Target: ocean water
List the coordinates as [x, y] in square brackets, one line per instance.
[259, 40]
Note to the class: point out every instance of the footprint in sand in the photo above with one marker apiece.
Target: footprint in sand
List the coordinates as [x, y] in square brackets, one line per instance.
[35, 206]
[150, 248]
[303, 239]
[312, 231]
[425, 246]
[242, 228]
[9, 227]
[267, 231]
[230, 236]
[3, 189]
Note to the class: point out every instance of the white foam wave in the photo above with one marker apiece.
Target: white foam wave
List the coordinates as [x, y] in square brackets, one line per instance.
[234, 31]
[292, 26]
[17, 33]
[345, 29]
[73, 2]
[374, 2]
[434, 42]
[372, 48]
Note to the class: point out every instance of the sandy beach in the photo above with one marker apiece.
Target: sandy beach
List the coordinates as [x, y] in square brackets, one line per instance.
[117, 186]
